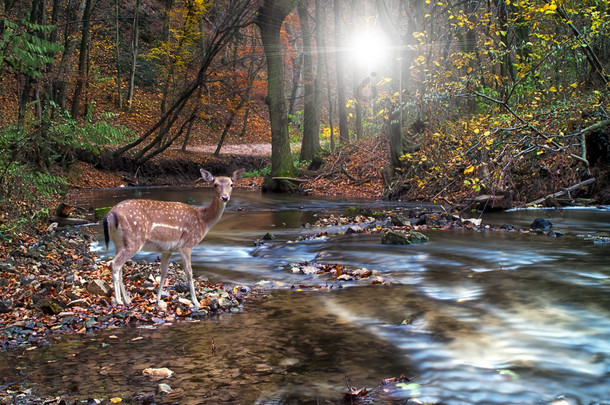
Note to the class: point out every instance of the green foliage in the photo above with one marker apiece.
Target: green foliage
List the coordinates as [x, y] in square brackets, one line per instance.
[29, 50]
[29, 159]
[65, 134]
[264, 172]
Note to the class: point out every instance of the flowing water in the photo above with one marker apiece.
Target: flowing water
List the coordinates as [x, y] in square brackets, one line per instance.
[473, 317]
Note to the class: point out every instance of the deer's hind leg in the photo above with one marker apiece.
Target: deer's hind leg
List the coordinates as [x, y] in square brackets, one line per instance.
[164, 265]
[120, 294]
[186, 263]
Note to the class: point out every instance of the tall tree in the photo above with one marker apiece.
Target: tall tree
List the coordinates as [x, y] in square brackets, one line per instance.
[117, 41]
[271, 15]
[323, 66]
[395, 116]
[61, 78]
[82, 57]
[311, 115]
[339, 58]
[134, 54]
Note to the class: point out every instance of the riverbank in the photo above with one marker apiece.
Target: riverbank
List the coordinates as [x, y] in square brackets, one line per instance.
[56, 285]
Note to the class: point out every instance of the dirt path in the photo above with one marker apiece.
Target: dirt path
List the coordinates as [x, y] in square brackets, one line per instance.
[244, 149]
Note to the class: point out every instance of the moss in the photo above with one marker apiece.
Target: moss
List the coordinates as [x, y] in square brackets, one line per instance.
[358, 210]
[100, 212]
[403, 238]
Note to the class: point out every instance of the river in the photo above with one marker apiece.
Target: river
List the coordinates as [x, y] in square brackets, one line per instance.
[469, 317]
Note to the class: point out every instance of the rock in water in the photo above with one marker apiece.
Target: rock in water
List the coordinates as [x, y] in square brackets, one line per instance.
[164, 389]
[101, 212]
[403, 238]
[541, 223]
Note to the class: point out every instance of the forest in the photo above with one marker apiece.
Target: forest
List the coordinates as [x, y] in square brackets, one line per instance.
[500, 102]
[438, 116]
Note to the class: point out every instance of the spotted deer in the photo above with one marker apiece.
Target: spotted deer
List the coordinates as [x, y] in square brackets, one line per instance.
[163, 227]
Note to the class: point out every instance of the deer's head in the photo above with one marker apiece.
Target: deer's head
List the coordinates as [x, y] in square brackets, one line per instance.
[222, 185]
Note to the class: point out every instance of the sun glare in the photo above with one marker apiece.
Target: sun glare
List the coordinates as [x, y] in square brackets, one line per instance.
[370, 49]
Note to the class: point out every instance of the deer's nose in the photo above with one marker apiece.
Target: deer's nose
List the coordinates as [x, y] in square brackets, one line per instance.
[225, 198]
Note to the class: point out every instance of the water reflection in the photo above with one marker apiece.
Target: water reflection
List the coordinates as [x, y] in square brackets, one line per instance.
[476, 318]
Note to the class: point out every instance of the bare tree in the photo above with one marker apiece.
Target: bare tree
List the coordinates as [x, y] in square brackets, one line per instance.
[236, 15]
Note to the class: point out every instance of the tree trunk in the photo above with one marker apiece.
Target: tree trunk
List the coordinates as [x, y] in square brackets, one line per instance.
[60, 82]
[134, 55]
[311, 123]
[295, 89]
[395, 121]
[82, 57]
[323, 59]
[118, 54]
[269, 21]
[29, 81]
[339, 57]
[357, 72]
[166, 38]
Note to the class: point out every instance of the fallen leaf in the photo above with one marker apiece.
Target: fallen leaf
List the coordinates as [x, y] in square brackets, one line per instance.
[157, 373]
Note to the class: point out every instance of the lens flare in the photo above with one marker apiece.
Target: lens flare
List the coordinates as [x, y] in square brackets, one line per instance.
[370, 49]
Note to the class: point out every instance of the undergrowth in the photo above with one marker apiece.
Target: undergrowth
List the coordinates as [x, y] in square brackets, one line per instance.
[34, 160]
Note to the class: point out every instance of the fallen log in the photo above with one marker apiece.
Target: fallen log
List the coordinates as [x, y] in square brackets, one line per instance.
[62, 221]
[568, 190]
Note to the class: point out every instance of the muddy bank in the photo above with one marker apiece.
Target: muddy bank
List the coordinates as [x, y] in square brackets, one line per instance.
[174, 167]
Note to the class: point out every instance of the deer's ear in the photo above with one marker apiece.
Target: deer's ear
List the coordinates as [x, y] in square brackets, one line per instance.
[207, 176]
[237, 175]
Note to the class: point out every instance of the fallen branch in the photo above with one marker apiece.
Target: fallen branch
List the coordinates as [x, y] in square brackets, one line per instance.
[363, 181]
[562, 192]
[349, 176]
[291, 179]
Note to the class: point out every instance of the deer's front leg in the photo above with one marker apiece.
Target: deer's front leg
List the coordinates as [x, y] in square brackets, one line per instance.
[186, 263]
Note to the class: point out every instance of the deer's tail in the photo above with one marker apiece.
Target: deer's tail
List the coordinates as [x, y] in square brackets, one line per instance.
[110, 216]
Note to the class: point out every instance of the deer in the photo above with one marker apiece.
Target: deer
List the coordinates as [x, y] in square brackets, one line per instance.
[165, 228]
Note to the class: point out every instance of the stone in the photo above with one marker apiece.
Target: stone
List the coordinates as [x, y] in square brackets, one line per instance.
[5, 306]
[7, 268]
[157, 373]
[99, 287]
[541, 223]
[50, 306]
[268, 236]
[403, 238]
[362, 273]
[101, 212]
[358, 211]
[164, 389]
[353, 229]
[553, 233]
[400, 220]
